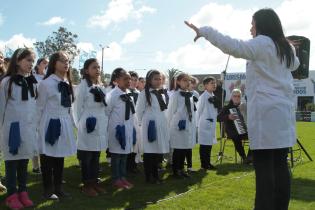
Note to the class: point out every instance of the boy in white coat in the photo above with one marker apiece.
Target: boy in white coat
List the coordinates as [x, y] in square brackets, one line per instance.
[206, 122]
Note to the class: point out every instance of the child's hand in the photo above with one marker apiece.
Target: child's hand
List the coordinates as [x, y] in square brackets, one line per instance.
[232, 117]
[193, 27]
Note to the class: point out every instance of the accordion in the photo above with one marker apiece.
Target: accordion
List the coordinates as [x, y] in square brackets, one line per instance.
[239, 122]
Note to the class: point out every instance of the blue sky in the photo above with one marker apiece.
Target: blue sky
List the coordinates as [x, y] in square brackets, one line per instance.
[145, 34]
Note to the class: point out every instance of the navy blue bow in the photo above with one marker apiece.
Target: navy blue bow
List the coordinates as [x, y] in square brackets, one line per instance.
[215, 101]
[27, 84]
[99, 96]
[133, 94]
[159, 97]
[187, 96]
[129, 105]
[14, 138]
[65, 90]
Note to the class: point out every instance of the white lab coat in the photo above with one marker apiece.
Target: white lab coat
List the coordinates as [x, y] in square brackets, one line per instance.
[85, 106]
[16, 110]
[49, 107]
[206, 128]
[145, 113]
[269, 89]
[184, 139]
[116, 116]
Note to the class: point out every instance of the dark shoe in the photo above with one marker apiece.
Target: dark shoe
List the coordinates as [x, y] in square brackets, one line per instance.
[211, 167]
[177, 175]
[50, 196]
[98, 188]
[61, 194]
[88, 190]
[184, 174]
[36, 171]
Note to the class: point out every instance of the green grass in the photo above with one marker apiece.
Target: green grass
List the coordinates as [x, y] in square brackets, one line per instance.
[232, 186]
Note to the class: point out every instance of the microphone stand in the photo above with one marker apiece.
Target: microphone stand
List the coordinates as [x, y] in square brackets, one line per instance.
[223, 74]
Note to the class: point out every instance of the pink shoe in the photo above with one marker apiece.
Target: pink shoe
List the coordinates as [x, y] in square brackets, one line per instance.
[25, 200]
[119, 184]
[127, 184]
[13, 202]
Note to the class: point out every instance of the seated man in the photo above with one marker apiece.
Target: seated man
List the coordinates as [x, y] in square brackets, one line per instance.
[230, 128]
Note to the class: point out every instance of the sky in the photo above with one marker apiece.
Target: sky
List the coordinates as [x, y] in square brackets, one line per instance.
[146, 34]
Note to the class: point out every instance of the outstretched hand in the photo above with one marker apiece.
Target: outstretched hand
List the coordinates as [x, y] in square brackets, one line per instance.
[193, 27]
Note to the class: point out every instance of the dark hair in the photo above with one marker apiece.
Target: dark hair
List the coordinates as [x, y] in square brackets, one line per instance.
[117, 73]
[13, 68]
[194, 79]
[52, 68]
[179, 77]
[141, 78]
[268, 23]
[134, 74]
[148, 84]
[206, 80]
[84, 73]
[38, 63]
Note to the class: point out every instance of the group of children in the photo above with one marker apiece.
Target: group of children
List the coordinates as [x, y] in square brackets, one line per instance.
[39, 114]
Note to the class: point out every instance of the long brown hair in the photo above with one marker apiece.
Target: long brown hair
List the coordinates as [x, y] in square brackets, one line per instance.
[13, 68]
[85, 75]
[2, 67]
[52, 68]
[268, 23]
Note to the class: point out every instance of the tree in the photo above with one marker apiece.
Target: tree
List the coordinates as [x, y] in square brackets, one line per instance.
[60, 40]
[75, 76]
[172, 73]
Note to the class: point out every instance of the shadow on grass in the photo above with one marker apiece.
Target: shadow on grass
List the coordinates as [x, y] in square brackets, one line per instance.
[226, 168]
[303, 189]
[139, 197]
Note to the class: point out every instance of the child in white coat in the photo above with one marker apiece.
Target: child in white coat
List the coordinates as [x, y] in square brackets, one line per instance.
[121, 132]
[182, 124]
[17, 113]
[90, 117]
[55, 124]
[151, 113]
[206, 122]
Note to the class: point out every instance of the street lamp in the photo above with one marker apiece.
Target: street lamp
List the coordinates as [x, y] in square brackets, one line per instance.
[103, 47]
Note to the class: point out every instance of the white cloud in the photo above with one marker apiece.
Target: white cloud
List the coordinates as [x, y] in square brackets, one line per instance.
[113, 53]
[16, 41]
[85, 46]
[118, 11]
[53, 21]
[131, 36]
[296, 15]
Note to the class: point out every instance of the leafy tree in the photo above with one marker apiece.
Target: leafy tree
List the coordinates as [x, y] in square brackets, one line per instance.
[60, 40]
[171, 73]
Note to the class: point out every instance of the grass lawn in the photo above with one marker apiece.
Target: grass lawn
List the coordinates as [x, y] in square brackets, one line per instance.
[232, 186]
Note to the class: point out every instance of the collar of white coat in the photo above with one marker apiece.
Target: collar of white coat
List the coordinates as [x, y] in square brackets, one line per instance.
[120, 91]
[55, 77]
[208, 94]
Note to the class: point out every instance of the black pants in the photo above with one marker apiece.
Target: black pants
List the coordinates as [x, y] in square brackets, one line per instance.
[205, 155]
[237, 140]
[16, 170]
[52, 171]
[188, 157]
[151, 163]
[131, 162]
[179, 159]
[272, 179]
[90, 164]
